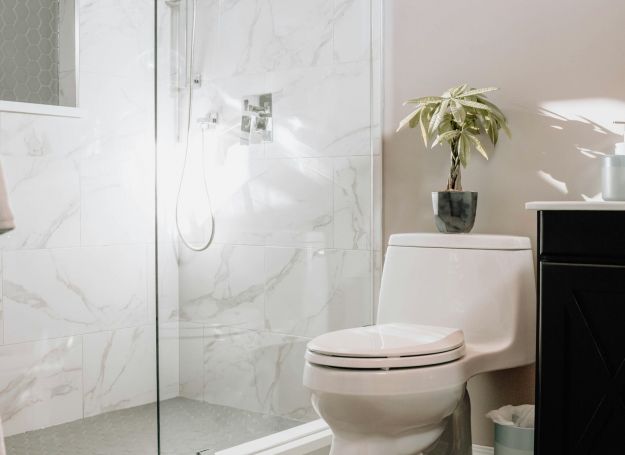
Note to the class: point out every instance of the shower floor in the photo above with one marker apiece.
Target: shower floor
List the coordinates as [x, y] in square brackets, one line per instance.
[189, 427]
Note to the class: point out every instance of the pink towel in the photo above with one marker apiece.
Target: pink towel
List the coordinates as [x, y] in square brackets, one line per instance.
[6, 215]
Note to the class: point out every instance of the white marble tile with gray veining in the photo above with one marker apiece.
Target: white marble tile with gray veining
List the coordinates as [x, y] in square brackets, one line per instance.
[255, 371]
[352, 30]
[40, 384]
[298, 201]
[321, 111]
[39, 161]
[238, 195]
[119, 369]
[223, 285]
[169, 360]
[168, 287]
[265, 35]
[116, 36]
[191, 360]
[352, 202]
[310, 292]
[117, 168]
[1, 306]
[61, 292]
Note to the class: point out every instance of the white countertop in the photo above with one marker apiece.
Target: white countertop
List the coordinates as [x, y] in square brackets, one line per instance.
[575, 205]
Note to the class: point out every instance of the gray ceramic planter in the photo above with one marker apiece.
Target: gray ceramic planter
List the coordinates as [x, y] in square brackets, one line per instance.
[454, 211]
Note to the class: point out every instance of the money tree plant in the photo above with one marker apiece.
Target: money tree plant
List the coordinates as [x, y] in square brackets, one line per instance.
[459, 117]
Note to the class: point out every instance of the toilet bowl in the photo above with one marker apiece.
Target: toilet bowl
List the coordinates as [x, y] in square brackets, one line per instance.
[450, 307]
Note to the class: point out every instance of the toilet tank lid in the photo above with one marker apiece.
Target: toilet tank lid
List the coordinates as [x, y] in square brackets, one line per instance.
[461, 241]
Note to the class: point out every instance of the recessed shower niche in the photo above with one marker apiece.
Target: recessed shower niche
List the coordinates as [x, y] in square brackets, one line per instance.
[38, 53]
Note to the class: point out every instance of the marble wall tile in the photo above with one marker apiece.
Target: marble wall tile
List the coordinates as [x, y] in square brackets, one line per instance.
[310, 292]
[116, 36]
[1, 306]
[265, 35]
[238, 195]
[321, 111]
[119, 369]
[40, 384]
[168, 287]
[255, 371]
[279, 368]
[191, 360]
[298, 198]
[38, 161]
[61, 292]
[169, 360]
[352, 202]
[223, 285]
[352, 30]
[117, 168]
[42, 221]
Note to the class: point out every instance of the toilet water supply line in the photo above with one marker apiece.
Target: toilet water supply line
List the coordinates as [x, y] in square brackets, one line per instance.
[190, 66]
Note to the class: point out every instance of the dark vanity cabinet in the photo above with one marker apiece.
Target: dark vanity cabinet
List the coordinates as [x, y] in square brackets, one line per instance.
[580, 374]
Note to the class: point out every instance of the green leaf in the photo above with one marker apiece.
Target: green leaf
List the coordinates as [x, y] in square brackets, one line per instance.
[407, 120]
[462, 151]
[448, 137]
[475, 104]
[493, 109]
[438, 117]
[477, 91]
[458, 90]
[422, 122]
[478, 145]
[424, 100]
[458, 112]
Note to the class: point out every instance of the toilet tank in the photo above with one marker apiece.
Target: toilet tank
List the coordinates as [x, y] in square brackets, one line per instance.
[482, 284]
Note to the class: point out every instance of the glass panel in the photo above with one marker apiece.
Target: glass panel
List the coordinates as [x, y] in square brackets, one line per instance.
[38, 51]
[268, 195]
[77, 330]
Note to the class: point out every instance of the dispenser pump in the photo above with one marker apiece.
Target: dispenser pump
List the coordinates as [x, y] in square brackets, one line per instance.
[619, 149]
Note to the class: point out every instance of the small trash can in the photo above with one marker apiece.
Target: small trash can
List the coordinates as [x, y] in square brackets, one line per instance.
[514, 430]
[511, 440]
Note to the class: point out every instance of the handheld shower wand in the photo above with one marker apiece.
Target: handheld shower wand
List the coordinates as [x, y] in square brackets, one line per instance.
[212, 120]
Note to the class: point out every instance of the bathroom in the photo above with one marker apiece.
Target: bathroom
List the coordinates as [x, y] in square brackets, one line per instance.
[195, 190]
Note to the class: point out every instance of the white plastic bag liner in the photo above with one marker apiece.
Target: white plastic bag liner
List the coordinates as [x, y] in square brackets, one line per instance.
[514, 430]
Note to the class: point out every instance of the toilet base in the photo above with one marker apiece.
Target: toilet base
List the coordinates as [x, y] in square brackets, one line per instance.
[456, 439]
[453, 437]
[375, 445]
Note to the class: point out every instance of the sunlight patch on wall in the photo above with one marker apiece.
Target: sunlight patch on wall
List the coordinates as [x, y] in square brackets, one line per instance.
[557, 184]
[599, 112]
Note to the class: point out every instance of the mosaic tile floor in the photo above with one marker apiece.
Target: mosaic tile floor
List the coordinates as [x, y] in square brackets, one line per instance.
[189, 427]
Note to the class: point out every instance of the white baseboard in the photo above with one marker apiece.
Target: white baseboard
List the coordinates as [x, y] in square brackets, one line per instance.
[313, 438]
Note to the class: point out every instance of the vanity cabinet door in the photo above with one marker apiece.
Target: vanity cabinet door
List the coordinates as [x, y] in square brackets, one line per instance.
[581, 360]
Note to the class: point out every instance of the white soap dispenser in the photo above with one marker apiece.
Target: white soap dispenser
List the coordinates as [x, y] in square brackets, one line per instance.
[613, 173]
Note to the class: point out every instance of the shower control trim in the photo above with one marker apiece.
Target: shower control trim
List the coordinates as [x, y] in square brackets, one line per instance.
[257, 117]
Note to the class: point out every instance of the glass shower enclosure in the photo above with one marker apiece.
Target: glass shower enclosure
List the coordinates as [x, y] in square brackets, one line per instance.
[196, 193]
[269, 208]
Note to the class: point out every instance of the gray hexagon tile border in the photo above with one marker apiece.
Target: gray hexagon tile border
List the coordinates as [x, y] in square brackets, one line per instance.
[29, 51]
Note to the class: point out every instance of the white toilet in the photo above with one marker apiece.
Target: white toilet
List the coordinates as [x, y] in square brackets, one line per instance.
[451, 307]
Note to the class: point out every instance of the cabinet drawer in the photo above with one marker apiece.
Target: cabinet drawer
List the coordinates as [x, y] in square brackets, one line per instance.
[582, 234]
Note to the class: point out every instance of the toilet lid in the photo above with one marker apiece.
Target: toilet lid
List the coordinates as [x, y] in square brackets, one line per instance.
[388, 340]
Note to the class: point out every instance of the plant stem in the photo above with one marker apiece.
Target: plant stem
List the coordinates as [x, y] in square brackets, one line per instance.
[454, 183]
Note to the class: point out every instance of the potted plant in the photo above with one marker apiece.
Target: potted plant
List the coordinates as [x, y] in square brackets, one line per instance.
[459, 117]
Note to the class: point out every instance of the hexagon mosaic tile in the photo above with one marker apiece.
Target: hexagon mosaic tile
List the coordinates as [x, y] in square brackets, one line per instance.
[188, 427]
[29, 51]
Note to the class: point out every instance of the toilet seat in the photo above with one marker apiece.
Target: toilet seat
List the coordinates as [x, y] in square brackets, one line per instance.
[387, 346]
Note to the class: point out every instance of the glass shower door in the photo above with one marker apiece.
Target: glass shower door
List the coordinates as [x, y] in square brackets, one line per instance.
[77, 330]
[273, 177]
